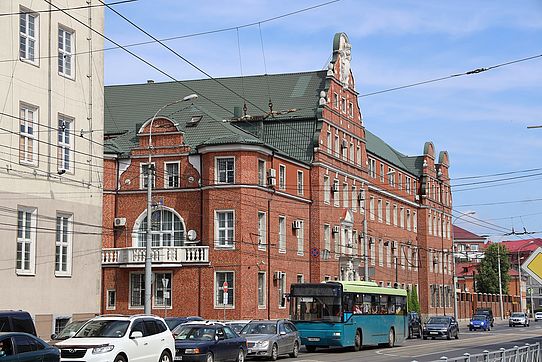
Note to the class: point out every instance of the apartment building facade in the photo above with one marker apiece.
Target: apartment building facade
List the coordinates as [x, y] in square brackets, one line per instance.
[284, 185]
[51, 120]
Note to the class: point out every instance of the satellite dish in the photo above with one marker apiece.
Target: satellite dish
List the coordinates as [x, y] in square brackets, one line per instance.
[191, 235]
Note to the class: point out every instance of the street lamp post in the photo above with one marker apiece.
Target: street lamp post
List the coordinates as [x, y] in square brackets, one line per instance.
[500, 280]
[519, 272]
[453, 259]
[148, 248]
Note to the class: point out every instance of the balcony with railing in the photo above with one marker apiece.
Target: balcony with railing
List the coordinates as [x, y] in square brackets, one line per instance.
[170, 255]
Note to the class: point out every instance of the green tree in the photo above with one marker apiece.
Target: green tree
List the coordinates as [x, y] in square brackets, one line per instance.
[412, 300]
[487, 280]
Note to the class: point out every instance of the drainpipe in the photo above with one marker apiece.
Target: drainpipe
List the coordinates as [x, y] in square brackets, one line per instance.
[269, 279]
[201, 227]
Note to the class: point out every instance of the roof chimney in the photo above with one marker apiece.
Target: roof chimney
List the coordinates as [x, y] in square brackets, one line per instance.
[150, 81]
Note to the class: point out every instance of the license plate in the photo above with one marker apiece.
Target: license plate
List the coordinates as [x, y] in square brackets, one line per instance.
[313, 339]
[249, 350]
[433, 332]
[178, 358]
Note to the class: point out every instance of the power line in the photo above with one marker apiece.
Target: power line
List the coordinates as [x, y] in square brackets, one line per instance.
[470, 72]
[500, 203]
[498, 180]
[496, 174]
[67, 9]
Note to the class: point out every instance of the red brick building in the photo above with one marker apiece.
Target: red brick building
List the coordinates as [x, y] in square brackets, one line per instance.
[262, 182]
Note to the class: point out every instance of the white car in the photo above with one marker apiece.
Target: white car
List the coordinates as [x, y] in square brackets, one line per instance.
[105, 338]
[518, 318]
[538, 316]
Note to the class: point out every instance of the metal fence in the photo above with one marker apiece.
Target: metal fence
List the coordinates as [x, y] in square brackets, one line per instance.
[526, 353]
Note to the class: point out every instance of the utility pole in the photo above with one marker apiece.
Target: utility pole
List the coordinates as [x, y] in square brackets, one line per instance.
[365, 244]
[500, 280]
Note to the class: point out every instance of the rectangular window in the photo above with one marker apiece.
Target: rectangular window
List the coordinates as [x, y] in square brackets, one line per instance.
[382, 172]
[282, 177]
[380, 252]
[162, 290]
[336, 199]
[111, 299]
[144, 175]
[372, 248]
[300, 278]
[326, 190]
[388, 253]
[26, 241]
[395, 215]
[343, 105]
[400, 181]
[60, 323]
[28, 150]
[372, 167]
[282, 290]
[261, 289]
[407, 184]
[172, 174]
[414, 222]
[403, 259]
[28, 35]
[335, 101]
[282, 234]
[65, 144]
[300, 183]
[388, 212]
[262, 230]
[402, 213]
[380, 210]
[344, 149]
[336, 242]
[225, 170]
[391, 177]
[352, 153]
[337, 146]
[300, 233]
[345, 195]
[355, 242]
[327, 242]
[372, 207]
[224, 228]
[351, 109]
[224, 298]
[137, 290]
[408, 221]
[65, 52]
[430, 224]
[329, 145]
[261, 173]
[63, 244]
[358, 155]
[354, 199]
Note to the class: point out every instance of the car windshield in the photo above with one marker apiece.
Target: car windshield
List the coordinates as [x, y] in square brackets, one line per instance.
[70, 330]
[260, 328]
[237, 327]
[174, 322]
[479, 318]
[438, 320]
[195, 333]
[518, 315]
[103, 328]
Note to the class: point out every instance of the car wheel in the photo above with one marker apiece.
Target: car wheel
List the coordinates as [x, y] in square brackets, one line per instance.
[311, 349]
[241, 356]
[165, 357]
[274, 352]
[409, 333]
[425, 337]
[391, 338]
[120, 359]
[295, 351]
[420, 333]
[457, 334]
[209, 357]
[470, 329]
[357, 341]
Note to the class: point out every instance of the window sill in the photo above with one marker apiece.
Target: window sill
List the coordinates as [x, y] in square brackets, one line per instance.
[63, 275]
[262, 307]
[26, 273]
[28, 163]
[28, 61]
[282, 251]
[66, 76]
[224, 247]
[136, 307]
[230, 307]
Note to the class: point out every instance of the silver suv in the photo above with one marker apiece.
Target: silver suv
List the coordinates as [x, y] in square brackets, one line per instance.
[271, 338]
[143, 338]
[518, 318]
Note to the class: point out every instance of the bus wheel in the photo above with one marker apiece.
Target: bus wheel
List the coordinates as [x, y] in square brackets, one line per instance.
[391, 338]
[311, 349]
[357, 341]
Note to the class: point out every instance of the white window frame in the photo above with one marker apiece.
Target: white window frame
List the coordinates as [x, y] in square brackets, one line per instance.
[380, 252]
[430, 224]
[337, 146]
[226, 244]
[379, 210]
[282, 177]
[408, 219]
[335, 101]
[327, 242]
[395, 219]
[372, 167]
[300, 234]
[400, 181]
[343, 105]
[110, 306]
[358, 155]
[350, 109]
[143, 175]
[262, 230]
[63, 146]
[402, 217]
[391, 177]
[66, 64]
[329, 144]
[159, 287]
[354, 198]
[327, 190]
[382, 176]
[167, 175]
[281, 286]
[336, 193]
[300, 185]
[282, 234]
[262, 173]
[388, 213]
[352, 154]
[29, 38]
[371, 207]
[344, 149]
[218, 172]
[372, 247]
[141, 291]
[28, 133]
[414, 221]
[26, 237]
[262, 290]
[345, 195]
[63, 243]
[219, 289]
[407, 184]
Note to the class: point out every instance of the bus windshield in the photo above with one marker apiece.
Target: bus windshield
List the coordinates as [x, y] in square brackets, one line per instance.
[321, 302]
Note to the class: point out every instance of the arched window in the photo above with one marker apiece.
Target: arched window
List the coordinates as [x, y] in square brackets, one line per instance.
[167, 229]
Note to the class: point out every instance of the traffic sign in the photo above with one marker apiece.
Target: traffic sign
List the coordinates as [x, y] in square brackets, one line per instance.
[225, 287]
[533, 265]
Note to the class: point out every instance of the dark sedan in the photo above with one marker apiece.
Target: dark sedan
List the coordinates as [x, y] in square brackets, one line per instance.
[208, 342]
[23, 347]
[441, 326]
[173, 322]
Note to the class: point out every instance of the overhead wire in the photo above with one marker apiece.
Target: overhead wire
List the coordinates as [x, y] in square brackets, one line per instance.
[67, 9]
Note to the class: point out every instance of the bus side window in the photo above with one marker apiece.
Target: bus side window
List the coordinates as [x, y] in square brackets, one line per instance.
[358, 304]
[384, 304]
[391, 304]
[375, 304]
[366, 304]
[400, 305]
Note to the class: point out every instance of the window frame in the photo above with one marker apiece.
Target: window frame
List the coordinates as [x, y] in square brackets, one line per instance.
[26, 137]
[282, 177]
[219, 288]
[300, 236]
[63, 146]
[261, 294]
[372, 167]
[110, 306]
[226, 171]
[228, 244]
[143, 176]
[167, 175]
[262, 173]
[158, 286]
[327, 241]
[327, 190]
[282, 244]
[131, 305]
[345, 195]
[30, 241]
[262, 230]
[67, 244]
[300, 182]
[281, 289]
[336, 193]
[27, 13]
[64, 54]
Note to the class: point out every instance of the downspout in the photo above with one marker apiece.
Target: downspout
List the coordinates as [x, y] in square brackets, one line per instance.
[201, 227]
[269, 279]
[49, 97]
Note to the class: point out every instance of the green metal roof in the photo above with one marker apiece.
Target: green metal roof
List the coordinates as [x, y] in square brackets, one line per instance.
[369, 287]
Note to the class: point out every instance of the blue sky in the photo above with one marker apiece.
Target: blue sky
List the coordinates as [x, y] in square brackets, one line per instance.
[481, 120]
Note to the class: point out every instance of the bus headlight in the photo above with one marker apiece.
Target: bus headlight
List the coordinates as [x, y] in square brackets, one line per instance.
[336, 334]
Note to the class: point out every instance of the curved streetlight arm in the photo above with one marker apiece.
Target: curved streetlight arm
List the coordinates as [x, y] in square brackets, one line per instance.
[453, 259]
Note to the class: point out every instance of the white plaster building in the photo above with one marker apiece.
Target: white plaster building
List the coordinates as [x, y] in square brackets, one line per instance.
[51, 122]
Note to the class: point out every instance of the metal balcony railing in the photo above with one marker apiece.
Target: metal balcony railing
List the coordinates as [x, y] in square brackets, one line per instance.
[160, 255]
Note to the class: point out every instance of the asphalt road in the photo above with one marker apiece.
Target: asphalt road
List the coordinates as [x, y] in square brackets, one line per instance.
[431, 350]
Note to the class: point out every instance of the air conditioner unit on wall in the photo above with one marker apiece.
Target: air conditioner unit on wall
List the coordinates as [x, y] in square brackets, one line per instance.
[336, 229]
[272, 177]
[335, 188]
[279, 275]
[297, 224]
[119, 221]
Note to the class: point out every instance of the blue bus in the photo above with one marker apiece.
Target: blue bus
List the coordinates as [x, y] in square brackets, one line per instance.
[348, 314]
